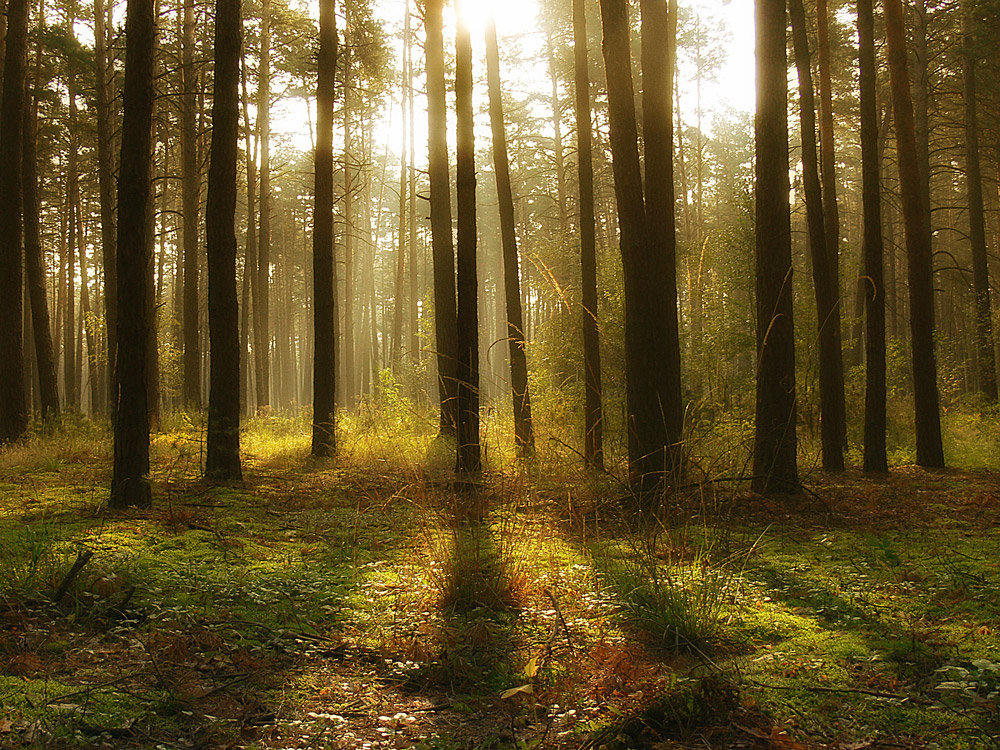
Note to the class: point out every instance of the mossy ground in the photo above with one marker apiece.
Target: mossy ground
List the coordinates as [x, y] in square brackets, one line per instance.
[362, 603]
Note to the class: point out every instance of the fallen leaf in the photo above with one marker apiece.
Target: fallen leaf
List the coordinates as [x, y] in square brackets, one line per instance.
[514, 691]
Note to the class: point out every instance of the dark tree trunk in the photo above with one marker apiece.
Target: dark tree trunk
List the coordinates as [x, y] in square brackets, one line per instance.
[977, 224]
[191, 204]
[875, 460]
[659, 267]
[524, 436]
[34, 260]
[831, 377]
[774, 457]
[593, 443]
[222, 459]
[130, 478]
[13, 402]
[106, 184]
[261, 300]
[930, 451]
[324, 309]
[832, 403]
[646, 370]
[250, 257]
[468, 461]
[443, 249]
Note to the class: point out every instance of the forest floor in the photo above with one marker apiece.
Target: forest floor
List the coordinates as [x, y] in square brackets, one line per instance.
[341, 605]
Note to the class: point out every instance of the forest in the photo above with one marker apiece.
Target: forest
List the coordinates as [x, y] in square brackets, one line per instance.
[536, 374]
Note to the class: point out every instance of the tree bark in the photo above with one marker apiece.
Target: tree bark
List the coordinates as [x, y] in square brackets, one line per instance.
[658, 30]
[222, 459]
[13, 402]
[324, 308]
[930, 451]
[34, 260]
[130, 478]
[191, 204]
[261, 301]
[977, 224]
[831, 372]
[524, 436]
[443, 249]
[833, 409]
[106, 185]
[648, 384]
[593, 441]
[468, 458]
[875, 460]
[774, 458]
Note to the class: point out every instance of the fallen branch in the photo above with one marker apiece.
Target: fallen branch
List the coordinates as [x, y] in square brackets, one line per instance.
[82, 558]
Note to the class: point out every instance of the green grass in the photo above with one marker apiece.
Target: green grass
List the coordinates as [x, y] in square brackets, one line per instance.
[332, 602]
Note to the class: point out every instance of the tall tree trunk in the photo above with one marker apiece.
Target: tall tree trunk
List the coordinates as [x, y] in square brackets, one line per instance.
[347, 342]
[191, 203]
[977, 223]
[593, 443]
[71, 367]
[324, 309]
[557, 147]
[130, 478]
[658, 31]
[832, 406]
[34, 260]
[524, 437]
[250, 257]
[443, 249]
[13, 402]
[414, 296]
[831, 379]
[774, 459]
[106, 185]
[468, 459]
[398, 296]
[930, 451]
[222, 458]
[875, 460]
[645, 275]
[261, 300]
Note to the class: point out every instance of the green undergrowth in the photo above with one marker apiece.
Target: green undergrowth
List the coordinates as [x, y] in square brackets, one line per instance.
[333, 603]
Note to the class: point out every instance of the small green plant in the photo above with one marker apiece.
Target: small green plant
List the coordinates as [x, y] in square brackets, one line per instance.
[678, 601]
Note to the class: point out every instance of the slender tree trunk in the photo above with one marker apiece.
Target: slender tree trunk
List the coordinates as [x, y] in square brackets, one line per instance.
[13, 402]
[524, 437]
[875, 460]
[593, 443]
[977, 223]
[71, 368]
[833, 406]
[222, 459]
[774, 460]
[130, 478]
[324, 308]
[34, 260]
[413, 296]
[645, 275]
[398, 296]
[658, 30]
[468, 461]
[191, 204]
[250, 258]
[106, 184]
[261, 301]
[347, 342]
[443, 249]
[930, 451]
[831, 380]
[557, 147]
